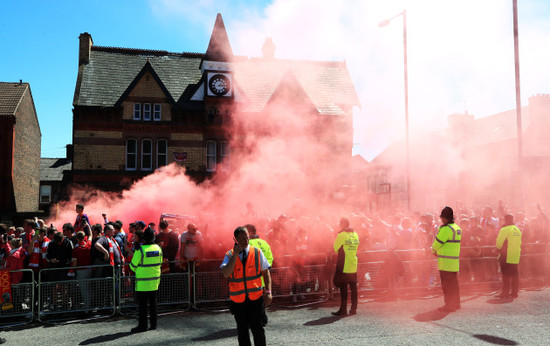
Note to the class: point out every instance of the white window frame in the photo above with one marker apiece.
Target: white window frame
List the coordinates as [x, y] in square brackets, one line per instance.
[157, 112]
[225, 152]
[45, 191]
[211, 155]
[146, 112]
[162, 143]
[137, 111]
[135, 153]
[146, 157]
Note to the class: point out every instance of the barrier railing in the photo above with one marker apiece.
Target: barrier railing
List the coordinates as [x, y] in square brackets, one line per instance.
[173, 293]
[22, 300]
[62, 296]
[103, 291]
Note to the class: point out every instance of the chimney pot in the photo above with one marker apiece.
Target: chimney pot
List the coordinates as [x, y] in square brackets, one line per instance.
[268, 49]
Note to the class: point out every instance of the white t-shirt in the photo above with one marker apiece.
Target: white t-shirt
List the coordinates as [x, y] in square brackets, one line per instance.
[192, 244]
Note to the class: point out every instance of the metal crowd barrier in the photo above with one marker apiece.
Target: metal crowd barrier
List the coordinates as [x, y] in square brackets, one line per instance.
[415, 272]
[293, 278]
[22, 299]
[173, 293]
[103, 291]
[62, 296]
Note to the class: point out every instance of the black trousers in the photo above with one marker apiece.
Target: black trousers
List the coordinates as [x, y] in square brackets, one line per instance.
[451, 292]
[144, 298]
[342, 281]
[249, 315]
[510, 279]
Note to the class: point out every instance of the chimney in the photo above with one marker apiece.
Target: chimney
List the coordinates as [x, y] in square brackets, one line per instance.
[268, 49]
[69, 152]
[86, 44]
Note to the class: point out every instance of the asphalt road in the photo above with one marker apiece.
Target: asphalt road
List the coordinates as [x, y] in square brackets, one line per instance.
[482, 320]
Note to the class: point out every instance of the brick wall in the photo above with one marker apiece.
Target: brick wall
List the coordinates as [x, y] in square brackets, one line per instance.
[26, 169]
[7, 203]
[99, 157]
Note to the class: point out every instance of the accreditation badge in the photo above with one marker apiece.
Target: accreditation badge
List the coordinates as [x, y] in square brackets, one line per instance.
[5, 290]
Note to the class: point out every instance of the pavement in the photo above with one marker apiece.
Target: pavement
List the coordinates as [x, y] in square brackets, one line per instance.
[482, 320]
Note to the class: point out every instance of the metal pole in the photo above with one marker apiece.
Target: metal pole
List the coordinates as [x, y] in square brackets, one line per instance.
[407, 110]
[518, 94]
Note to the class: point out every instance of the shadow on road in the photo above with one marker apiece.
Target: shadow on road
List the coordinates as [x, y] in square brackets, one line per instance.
[433, 315]
[105, 338]
[494, 339]
[323, 321]
[220, 334]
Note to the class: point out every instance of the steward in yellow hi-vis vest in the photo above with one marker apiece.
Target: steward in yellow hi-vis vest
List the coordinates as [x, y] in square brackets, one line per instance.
[346, 245]
[509, 246]
[446, 247]
[243, 266]
[146, 263]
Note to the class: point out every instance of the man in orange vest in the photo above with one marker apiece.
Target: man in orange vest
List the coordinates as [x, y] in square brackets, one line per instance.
[245, 266]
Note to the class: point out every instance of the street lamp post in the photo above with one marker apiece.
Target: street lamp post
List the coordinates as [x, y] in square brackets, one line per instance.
[518, 95]
[383, 24]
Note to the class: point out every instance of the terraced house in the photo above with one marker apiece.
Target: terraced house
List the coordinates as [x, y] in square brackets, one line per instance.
[136, 110]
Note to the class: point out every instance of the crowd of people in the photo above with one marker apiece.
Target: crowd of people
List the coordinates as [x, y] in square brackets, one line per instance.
[37, 246]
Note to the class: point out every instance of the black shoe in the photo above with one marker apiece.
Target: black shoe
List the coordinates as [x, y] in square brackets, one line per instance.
[352, 312]
[339, 313]
[138, 330]
[153, 328]
[2, 340]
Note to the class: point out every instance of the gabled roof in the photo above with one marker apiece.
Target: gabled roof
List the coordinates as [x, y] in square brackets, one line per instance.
[498, 127]
[111, 71]
[327, 84]
[358, 163]
[10, 97]
[51, 169]
[146, 68]
[291, 92]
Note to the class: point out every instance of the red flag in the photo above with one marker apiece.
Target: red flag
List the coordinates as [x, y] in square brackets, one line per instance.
[5, 290]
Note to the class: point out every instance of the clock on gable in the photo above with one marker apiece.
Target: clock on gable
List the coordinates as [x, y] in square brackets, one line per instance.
[218, 84]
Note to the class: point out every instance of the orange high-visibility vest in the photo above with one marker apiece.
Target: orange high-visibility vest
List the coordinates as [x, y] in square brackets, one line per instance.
[246, 281]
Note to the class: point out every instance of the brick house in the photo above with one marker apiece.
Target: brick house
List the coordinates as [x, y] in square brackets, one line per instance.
[138, 110]
[473, 160]
[19, 150]
[55, 175]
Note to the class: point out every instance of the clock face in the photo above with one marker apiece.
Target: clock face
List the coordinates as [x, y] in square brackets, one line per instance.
[219, 84]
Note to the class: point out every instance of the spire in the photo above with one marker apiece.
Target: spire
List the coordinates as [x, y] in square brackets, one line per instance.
[219, 48]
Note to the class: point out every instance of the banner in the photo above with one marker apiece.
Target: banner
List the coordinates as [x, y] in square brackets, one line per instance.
[180, 157]
[5, 290]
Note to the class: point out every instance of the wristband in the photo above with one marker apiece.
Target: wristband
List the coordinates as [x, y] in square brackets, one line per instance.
[268, 292]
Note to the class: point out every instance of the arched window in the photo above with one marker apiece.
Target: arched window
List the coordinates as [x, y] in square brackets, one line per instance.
[131, 154]
[162, 153]
[210, 156]
[146, 154]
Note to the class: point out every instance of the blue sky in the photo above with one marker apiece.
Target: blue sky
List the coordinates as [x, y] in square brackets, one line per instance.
[460, 52]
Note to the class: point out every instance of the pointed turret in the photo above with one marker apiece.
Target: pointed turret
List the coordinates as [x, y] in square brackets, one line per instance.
[219, 48]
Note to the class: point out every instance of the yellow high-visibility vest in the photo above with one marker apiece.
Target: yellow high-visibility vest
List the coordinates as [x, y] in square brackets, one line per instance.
[447, 247]
[349, 241]
[512, 234]
[146, 264]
